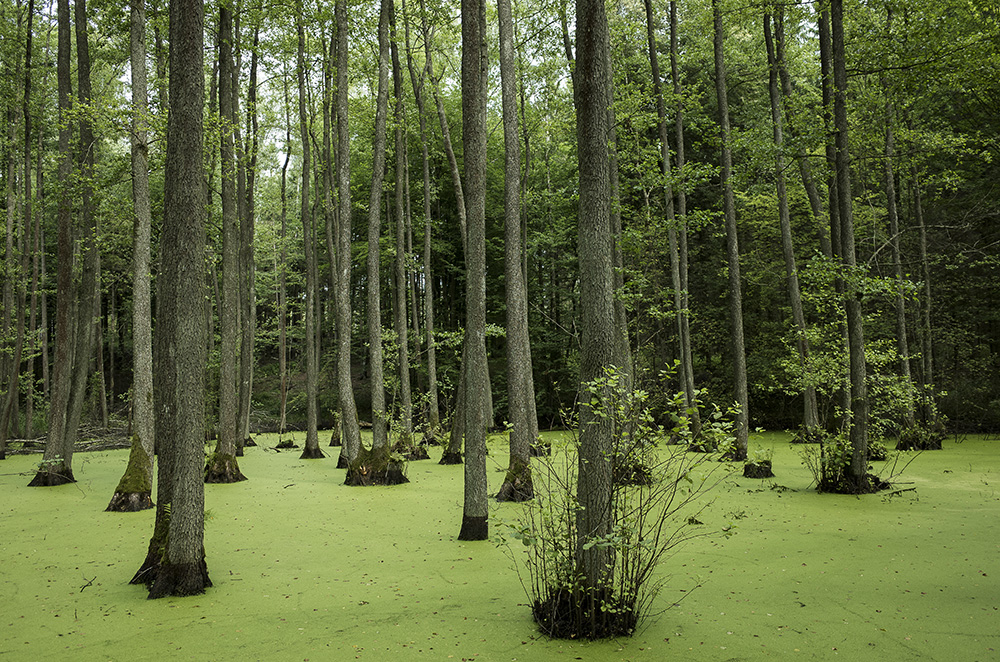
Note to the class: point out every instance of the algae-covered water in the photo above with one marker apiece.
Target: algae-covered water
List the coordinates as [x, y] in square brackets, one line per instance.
[307, 569]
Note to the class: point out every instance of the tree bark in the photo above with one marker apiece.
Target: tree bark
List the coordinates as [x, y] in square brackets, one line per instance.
[810, 417]
[857, 474]
[179, 358]
[592, 84]
[135, 487]
[732, 246]
[348, 409]
[517, 485]
[222, 466]
[475, 525]
[311, 448]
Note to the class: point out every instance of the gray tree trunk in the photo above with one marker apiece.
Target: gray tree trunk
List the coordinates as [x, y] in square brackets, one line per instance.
[179, 359]
[222, 466]
[134, 489]
[517, 485]
[810, 418]
[857, 474]
[348, 409]
[475, 525]
[732, 246]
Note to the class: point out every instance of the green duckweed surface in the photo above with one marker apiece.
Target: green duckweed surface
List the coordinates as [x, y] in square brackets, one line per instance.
[307, 569]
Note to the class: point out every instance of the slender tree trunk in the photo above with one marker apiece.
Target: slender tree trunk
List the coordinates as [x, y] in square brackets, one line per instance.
[810, 418]
[379, 416]
[135, 487]
[401, 280]
[176, 564]
[283, 273]
[684, 321]
[732, 246]
[248, 292]
[475, 525]
[311, 449]
[348, 409]
[857, 474]
[517, 485]
[222, 466]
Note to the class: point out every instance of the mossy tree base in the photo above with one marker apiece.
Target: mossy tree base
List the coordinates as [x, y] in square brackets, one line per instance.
[566, 614]
[312, 454]
[130, 502]
[222, 468]
[335, 439]
[249, 441]
[869, 484]
[450, 458]
[516, 489]
[808, 435]
[342, 462]
[52, 477]
[761, 469]
[474, 528]
[285, 444]
[417, 453]
[180, 580]
[430, 438]
[376, 467]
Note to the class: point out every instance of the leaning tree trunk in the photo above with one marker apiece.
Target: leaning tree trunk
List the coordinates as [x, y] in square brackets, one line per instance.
[517, 484]
[810, 417]
[135, 487]
[732, 247]
[222, 466]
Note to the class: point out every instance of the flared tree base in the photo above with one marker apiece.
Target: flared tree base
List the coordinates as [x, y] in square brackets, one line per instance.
[52, 477]
[180, 580]
[248, 442]
[129, 502]
[222, 468]
[285, 444]
[376, 467]
[450, 457]
[312, 454]
[474, 528]
[335, 439]
[516, 489]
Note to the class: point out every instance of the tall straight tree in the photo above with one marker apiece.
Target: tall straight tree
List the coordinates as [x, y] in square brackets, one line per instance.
[135, 487]
[400, 275]
[517, 484]
[857, 476]
[75, 343]
[175, 564]
[810, 416]
[380, 437]
[475, 525]
[417, 82]
[311, 449]
[345, 389]
[732, 244]
[593, 84]
[222, 466]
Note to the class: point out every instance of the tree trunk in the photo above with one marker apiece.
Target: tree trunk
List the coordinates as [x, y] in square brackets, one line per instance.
[810, 417]
[311, 448]
[592, 84]
[222, 466]
[857, 473]
[475, 525]
[379, 417]
[401, 280]
[283, 273]
[135, 487]
[687, 360]
[732, 246]
[177, 547]
[517, 485]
